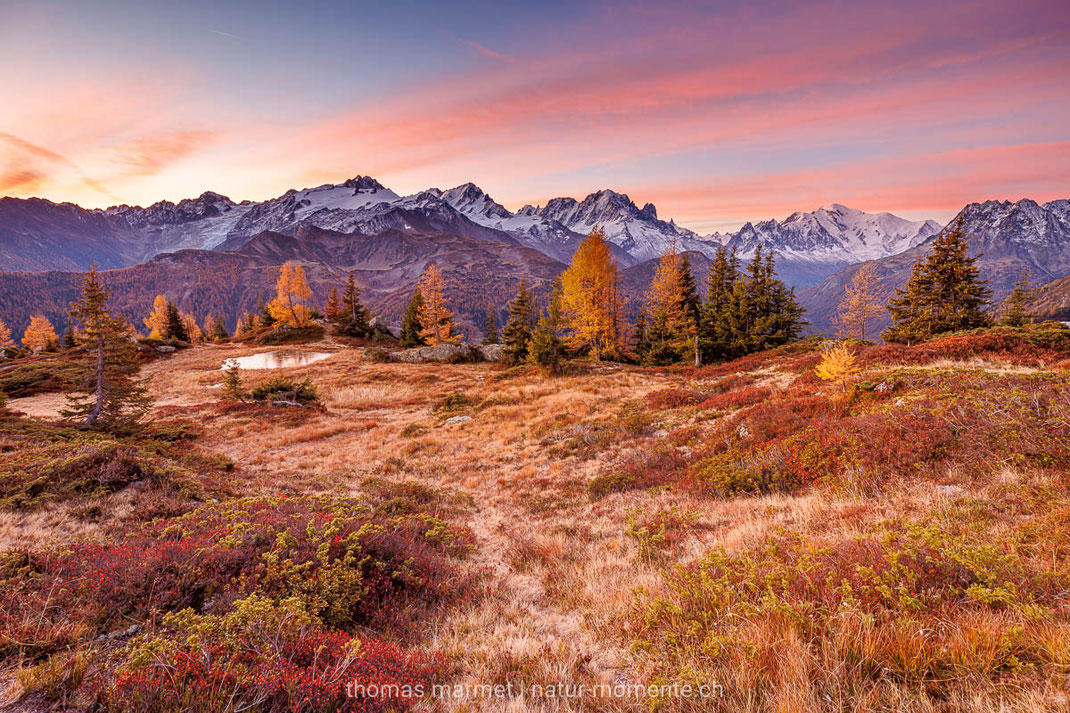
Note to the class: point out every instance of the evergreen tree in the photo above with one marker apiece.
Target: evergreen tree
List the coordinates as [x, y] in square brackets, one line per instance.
[176, 326]
[353, 319]
[232, 384]
[944, 293]
[266, 318]
[68, 342]
[642, 342]
[546, 347]
[490, 332]
[217, 329]
[1015, 309]
[115, 400]
[516, 337]
[410, 322]
[715, 333]
[333, 310]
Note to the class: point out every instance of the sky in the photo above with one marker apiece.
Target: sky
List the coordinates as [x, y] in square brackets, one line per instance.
[717, 112]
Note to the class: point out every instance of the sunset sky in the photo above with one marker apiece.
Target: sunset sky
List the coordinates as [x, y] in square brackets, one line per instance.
[716, 112]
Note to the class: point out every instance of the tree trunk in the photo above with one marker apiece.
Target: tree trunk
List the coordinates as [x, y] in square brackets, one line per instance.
[98, 407]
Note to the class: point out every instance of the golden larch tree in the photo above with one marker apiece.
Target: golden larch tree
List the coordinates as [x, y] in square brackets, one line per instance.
[668, 321]
[7, 344]
[40, 335]
[862, 301]
[436, 319]
[590, 301]
[193, 330]
[291, 293]
[837, 364]
[157, 321]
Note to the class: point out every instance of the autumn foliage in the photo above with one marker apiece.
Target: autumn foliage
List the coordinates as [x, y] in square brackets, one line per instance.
[590, 301]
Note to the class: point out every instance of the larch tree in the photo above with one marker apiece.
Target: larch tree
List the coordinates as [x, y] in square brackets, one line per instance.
[863, 301]
[944, 293]
[410, 321]
[436, 320]
[516, 337]
[669, 311]
[291, 294]
[7, 344]
[192, 329]
[333, 309]
[590, 300]
[1014, 312]
[40, 335]
[157, 322]
[109, 396]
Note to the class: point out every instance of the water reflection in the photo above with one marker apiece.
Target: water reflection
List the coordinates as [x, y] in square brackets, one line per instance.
[276, 360]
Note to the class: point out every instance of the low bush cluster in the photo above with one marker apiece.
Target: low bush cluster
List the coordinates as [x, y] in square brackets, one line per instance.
[300, 573]
[915, 603]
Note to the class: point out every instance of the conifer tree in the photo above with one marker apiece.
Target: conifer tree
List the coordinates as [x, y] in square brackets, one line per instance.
[410, 322]
[516, 337]
[490, 333]
[642, 342]
[944, 293]
[7, 344]
[193, 330]
[265, 316]
[333, 310]
[157, 322]
[546, 347]
[590, 300]
[110, 397]
[232, 384]
[715, 333]
[1015, 309]
[670, 311]
[216, 329]
[353, 319]
[69, 342]
[39, 335]
[436, 320]
[176, 326]
[863, 301]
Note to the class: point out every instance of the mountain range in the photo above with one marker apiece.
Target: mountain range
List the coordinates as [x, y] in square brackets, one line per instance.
[214, 255]
[38, 235]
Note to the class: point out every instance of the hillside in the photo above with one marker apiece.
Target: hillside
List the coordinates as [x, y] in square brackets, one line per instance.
[1052, 300]
[386, 267]
[1007, 238]
[739, 528]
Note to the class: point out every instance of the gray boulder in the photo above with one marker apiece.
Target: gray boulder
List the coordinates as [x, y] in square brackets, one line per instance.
[439, 352]
[490, 352]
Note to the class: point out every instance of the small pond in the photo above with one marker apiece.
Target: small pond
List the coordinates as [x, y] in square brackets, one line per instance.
[276, 360]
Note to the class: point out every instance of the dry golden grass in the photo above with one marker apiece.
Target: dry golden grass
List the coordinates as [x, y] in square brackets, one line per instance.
[558, 573]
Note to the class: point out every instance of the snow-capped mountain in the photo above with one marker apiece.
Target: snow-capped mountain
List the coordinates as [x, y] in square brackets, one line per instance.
[809, 246]
[637, 231]
[1007, 237]
[202, 222]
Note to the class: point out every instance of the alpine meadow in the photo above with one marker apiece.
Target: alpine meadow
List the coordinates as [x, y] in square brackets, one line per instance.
[347, 443]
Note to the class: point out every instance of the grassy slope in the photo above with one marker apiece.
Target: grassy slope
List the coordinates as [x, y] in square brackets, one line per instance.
[905, 549]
